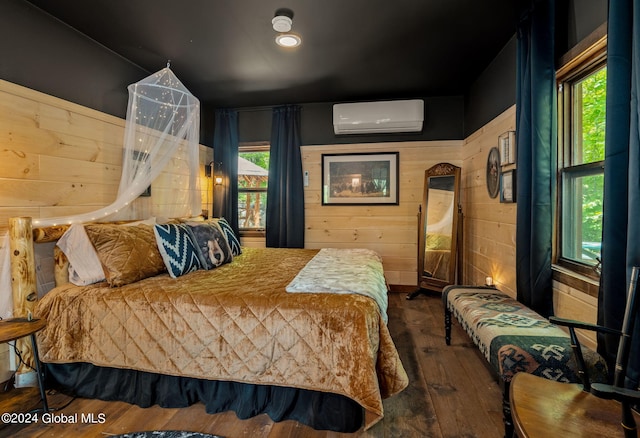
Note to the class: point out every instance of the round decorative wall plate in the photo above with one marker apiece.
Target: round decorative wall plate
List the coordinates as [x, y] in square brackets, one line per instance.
[493, 172]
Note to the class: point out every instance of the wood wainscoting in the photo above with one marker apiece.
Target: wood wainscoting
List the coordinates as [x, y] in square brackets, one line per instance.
[59, 158]
[489, 225]
[390, 230]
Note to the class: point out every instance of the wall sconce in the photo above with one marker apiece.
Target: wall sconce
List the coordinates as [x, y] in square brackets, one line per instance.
[208, 170]
[214, 170]
[218, 174]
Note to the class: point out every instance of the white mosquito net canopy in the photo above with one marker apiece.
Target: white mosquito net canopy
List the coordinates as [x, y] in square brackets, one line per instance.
[162, 127]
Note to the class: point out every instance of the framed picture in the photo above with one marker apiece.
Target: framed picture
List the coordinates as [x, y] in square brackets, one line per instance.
[507, 146]
[493, 172]
[508, 186]
[360, 179]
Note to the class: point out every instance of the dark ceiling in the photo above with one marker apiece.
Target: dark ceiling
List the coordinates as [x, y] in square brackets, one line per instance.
[224, 50]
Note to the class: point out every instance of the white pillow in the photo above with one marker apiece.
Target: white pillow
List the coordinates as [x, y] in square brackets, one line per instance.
[84, 265]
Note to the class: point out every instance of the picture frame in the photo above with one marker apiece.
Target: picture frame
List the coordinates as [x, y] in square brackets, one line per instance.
[360, 179]
[507, 147]
[493, 172]
[508, 186]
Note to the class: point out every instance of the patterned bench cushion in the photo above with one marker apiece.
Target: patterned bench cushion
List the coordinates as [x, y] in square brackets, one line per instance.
[514, 338]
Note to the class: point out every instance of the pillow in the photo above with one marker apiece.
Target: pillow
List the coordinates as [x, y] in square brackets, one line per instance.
[150, 221]
[231, 237]
[177, 247]
[183, 220]
[84, 265]
[213, 248]
[127, 254]
[166, 220]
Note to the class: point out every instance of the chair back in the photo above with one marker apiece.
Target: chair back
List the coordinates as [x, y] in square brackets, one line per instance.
[628, 323]
[537, 402]
[617, 391]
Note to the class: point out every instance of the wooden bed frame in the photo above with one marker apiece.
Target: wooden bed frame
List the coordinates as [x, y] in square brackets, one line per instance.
[22, 237]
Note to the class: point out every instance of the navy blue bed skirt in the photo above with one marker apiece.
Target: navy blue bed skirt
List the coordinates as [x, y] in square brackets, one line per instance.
[319, 410]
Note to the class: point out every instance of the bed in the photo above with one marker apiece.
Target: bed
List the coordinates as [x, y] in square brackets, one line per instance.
[231, 337]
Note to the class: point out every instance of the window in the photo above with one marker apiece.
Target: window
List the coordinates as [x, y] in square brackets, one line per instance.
[582, 116]
[253, 176]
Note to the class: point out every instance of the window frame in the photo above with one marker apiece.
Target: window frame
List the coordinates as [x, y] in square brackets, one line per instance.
[576, 65]
[253, 147]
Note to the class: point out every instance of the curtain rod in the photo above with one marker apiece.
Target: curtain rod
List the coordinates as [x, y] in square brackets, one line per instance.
[255, 108]
[262, 108]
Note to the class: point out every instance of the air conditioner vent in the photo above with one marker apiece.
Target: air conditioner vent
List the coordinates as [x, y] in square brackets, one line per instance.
[378, 117]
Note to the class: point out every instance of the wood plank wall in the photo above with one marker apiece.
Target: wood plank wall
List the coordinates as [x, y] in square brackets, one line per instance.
[490, 230]
[489, 226]
[572, 303]
[390, 230]
[59, 158]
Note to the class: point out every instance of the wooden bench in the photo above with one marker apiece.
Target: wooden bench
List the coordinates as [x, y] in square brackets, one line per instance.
[514, 338]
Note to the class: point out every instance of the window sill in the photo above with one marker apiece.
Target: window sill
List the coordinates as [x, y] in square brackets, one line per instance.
[252, 233]
[575, 280]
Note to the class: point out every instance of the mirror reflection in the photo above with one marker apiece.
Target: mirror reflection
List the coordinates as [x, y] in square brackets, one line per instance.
[439, 227]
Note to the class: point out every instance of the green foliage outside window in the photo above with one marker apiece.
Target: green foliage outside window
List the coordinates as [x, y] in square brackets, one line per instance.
[259, 158]
[252, 190]
[593, 95]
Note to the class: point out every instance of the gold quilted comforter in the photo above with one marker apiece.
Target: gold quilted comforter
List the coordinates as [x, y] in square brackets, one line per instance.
[235, 322]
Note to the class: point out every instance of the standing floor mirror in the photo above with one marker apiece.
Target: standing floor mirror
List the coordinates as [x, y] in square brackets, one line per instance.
[439, 230]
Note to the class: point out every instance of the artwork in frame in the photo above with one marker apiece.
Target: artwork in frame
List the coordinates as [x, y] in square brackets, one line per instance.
[493, 172]
[507, 146]
[360, 179]
[508, 186]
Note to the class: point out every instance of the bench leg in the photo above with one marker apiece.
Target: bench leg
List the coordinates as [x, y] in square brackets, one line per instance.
[447, 326]
[506, 410]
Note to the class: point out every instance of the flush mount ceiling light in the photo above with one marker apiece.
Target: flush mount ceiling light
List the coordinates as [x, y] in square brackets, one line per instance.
[288, 40]
[282, 22]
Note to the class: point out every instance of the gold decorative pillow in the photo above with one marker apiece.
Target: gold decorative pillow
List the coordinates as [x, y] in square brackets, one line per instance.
[438, 241]
[128, 254]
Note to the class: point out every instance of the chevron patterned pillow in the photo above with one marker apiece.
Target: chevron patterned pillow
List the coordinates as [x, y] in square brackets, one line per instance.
[176, 245]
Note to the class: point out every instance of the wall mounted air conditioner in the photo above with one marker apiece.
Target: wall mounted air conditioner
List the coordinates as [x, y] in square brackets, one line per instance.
[377, 117]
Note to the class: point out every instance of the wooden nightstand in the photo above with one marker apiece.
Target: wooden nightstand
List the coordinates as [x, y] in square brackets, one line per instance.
[16, 328]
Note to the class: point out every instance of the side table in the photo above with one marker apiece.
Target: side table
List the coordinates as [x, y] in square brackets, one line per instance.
[16, 328]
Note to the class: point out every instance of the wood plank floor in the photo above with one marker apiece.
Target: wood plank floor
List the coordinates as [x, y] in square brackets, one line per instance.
[451, 394]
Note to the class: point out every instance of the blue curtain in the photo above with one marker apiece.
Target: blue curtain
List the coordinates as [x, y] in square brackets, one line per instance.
[537, 150]
[285, 195]
[621, 216]
[225, 157]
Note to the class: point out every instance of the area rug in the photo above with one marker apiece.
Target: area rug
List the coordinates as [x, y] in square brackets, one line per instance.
[166, 434]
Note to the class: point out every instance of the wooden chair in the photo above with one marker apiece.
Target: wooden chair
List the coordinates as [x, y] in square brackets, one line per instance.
[543, 408]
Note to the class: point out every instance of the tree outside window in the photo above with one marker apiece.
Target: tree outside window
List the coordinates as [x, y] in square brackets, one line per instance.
[582, 98]
[253, 177]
